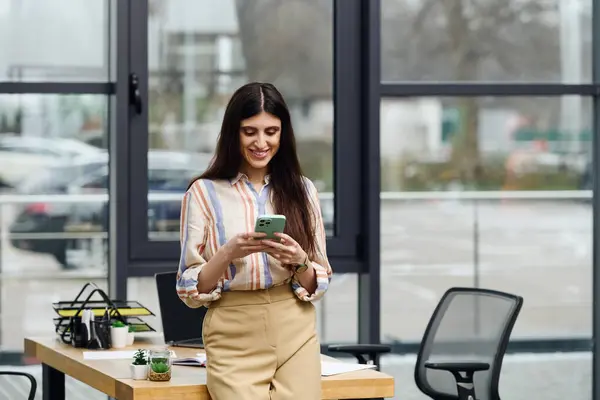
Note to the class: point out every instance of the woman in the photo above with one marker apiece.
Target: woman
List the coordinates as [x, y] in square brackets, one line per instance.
[260, 328]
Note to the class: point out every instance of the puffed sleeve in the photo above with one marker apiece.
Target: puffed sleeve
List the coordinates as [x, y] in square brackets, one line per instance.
[193, 237]
[319, 262]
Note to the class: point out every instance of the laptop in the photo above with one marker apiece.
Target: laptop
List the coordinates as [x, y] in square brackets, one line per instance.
[182, 325]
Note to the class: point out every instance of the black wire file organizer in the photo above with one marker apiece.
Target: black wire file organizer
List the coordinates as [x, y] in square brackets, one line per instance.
[71, 329]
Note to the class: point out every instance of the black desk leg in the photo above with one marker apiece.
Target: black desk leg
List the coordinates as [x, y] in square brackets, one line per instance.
[53, 383]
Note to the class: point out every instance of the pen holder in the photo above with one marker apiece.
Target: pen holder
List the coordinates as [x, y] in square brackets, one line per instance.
[77, 333]
[99, 334]
[101, 337]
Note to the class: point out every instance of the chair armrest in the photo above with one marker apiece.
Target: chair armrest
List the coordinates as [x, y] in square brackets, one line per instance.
[453, 367]
[360, 351]
[28, 376]
[463, 374]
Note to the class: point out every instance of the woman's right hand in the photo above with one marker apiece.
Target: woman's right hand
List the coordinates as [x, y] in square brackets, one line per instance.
[239, 246]
[244, 244]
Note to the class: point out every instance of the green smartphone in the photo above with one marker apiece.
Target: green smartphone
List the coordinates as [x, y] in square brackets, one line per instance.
[270, 224]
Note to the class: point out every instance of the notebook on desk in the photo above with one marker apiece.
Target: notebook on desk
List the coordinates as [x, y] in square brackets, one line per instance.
[198, 361]
[182, 325]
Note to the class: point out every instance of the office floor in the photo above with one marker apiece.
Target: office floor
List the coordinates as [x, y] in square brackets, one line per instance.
[524, 377]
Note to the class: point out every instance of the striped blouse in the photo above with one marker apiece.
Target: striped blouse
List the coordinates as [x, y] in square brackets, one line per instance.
[214, 211]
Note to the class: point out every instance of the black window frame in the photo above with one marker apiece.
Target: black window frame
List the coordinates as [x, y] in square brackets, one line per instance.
[147, 257]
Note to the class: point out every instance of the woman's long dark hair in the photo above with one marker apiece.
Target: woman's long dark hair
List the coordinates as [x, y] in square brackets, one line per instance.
[288, 189]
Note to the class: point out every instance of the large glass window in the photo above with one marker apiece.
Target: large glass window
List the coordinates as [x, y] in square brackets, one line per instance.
[199, 53]
[56, 62]
[54, 40]
[488, 40]
[490, 192]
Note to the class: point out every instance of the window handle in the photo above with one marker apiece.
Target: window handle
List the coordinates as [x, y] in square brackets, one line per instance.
[135, 97]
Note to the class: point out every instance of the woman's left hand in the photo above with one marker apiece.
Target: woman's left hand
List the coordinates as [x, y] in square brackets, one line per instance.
[287, 250]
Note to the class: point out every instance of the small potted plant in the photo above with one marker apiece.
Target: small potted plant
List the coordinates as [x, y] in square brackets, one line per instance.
[160, 365]
[118, 334]
[131, 335]
[139, 366]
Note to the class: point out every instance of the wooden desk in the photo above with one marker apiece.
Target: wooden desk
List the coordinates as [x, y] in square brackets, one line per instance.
[112, 377]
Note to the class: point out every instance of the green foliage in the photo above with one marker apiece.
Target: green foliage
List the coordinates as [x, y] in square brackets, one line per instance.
[159, 367]
[118, 324]
[547, 180]
[131, 328]
[491, 175]
[316, 160]
[12, 122]
[139, 358]
[156, 140]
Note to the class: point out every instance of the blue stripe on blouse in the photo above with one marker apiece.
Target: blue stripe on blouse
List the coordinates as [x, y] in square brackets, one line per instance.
[214, 200]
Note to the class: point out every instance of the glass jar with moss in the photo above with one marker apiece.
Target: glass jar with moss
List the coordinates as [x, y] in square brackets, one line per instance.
[159, 365]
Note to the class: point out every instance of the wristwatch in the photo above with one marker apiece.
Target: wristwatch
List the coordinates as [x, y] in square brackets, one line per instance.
[300, 268]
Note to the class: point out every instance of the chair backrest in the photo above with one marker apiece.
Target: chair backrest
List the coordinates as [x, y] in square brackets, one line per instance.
[468, 324]
[179, 322]
[18, 388]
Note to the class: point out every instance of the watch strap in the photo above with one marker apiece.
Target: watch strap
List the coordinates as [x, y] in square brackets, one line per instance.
[300, 268]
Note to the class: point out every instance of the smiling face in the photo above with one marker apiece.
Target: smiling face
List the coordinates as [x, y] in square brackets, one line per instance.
[259, 141]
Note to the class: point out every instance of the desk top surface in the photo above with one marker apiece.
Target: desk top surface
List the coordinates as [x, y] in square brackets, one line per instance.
[112, 377]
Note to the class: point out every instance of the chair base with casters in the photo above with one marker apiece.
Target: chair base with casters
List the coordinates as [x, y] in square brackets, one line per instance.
[364, 353]
[32, 381]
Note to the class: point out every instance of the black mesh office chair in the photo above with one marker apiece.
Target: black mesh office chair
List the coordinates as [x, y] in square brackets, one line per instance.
[32, 381]
[464, 343]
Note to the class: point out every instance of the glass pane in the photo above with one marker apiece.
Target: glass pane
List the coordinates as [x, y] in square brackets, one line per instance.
[489, 40]
[337, 311]
[200, 52]
[49, 247]
[54, 40]
[491, 193]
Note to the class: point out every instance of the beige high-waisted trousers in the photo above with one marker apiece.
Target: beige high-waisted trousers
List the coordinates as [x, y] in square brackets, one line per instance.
[262, 345]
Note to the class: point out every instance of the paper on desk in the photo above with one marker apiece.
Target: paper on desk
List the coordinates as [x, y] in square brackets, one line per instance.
[334, 368]
[112, 354]
[107, 355]
[328, 368]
